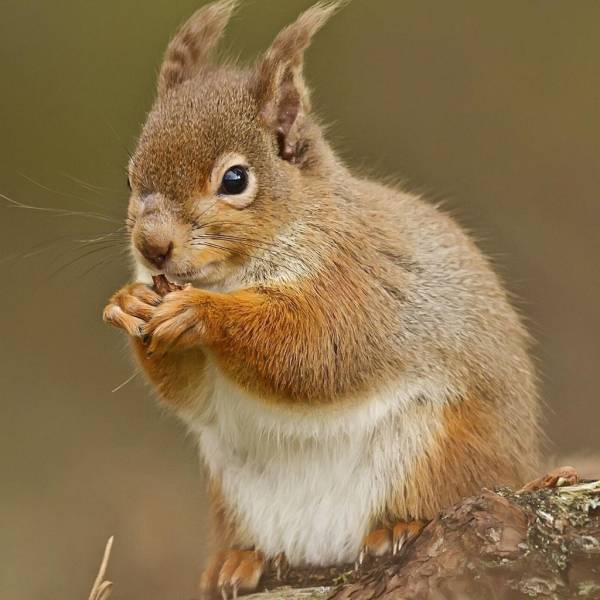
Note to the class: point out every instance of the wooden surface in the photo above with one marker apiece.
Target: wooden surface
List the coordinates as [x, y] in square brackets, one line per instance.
[499, 545]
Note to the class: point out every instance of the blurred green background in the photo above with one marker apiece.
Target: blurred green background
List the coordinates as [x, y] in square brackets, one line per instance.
[492, 107]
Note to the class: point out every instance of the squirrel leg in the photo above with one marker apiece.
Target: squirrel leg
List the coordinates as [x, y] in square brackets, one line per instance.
[232, 572]
[131, 309]
[384, 541]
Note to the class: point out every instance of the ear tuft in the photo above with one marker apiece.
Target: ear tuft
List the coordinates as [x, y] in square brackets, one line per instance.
[278, 83]
[191, 48]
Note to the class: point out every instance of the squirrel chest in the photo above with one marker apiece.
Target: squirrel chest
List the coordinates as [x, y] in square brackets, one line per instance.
[301, 483]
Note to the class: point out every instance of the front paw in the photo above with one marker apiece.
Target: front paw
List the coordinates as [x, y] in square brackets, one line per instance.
[131, 307]
[180, 322]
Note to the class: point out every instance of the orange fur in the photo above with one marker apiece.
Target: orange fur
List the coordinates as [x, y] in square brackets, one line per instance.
[278, 342]
[313, 287]
[470, 451]
[172, 374]
[131, 308]
[224, 528]
[232, 571]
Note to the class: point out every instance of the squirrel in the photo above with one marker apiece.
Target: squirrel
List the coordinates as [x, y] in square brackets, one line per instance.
[343, 353]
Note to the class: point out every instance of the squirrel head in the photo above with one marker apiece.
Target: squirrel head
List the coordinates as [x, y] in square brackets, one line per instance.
[225, 153]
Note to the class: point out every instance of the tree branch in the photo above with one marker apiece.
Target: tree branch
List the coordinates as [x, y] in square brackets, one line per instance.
[502, 545]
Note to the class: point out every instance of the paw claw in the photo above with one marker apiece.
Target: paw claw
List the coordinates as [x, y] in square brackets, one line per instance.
[398, 544]
[233, 573]
[404, 533]
[555, 478]
[377, 543]
[385, 541]
[130, 308]
[281, 565]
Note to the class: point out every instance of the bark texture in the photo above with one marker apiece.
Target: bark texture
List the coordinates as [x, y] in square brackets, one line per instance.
[499, 545]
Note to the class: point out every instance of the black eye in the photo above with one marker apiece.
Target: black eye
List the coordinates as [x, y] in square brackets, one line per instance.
[235, 181]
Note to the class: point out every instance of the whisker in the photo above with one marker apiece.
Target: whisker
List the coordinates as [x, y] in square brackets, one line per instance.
[254, 242]
[35, 249]
[58, 211]
[77, 259]
[118, 138]
[121, 232]
[128, 380]
[97, 189]
[100, 245]
[100, 263]
[46, 188]
[226, 238]
[61, 193]
[268, 261]
[215, 223]
[111, 239]
[225, 223]
[205, 211]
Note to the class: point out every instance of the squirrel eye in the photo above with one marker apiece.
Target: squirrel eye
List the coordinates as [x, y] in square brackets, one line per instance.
[235, 181]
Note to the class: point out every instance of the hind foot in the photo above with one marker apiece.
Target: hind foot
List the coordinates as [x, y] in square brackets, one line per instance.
[385, 541]
[231, 573]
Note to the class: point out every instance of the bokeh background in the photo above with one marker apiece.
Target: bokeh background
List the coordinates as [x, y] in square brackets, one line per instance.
[490, 107]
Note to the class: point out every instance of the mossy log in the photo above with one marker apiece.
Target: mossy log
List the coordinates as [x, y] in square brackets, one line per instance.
[499, 545]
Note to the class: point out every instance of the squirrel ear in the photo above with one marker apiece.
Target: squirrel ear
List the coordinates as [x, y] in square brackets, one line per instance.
[189, 51]
[278, 84]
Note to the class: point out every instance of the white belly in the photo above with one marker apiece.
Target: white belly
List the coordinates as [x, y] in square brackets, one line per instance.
[308, 483]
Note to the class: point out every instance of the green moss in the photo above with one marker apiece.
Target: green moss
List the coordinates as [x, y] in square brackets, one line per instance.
[588, 589]
[554, 512]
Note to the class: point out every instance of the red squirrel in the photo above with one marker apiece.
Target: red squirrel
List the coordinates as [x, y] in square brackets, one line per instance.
[344, 354]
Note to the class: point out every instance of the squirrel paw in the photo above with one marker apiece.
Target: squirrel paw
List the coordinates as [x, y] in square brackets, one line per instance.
[179, 322]
[232, 572]
[131, 307]
[555, 478]
[385, 541]
[404, 533]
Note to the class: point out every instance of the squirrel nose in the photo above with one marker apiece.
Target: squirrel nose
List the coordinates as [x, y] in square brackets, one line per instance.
[157, 252]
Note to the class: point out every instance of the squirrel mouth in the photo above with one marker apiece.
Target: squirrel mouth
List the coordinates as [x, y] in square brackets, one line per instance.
[195, 274]
[190, 276]
[183, 277]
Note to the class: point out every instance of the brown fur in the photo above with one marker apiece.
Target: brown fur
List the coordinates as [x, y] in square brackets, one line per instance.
[173, 373]
[278, 341]
[320, 287]
[470, 450]
[224, 529]
[189, 51]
